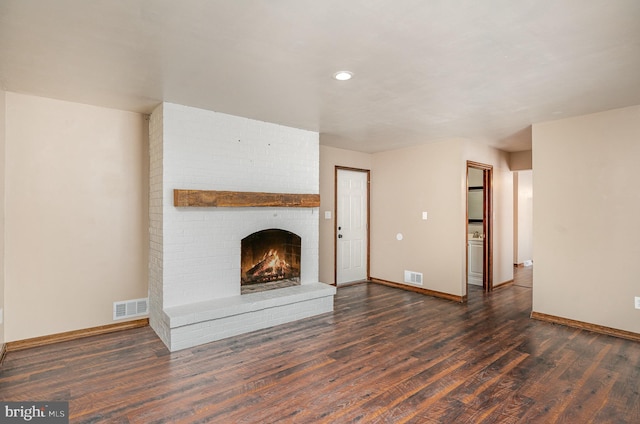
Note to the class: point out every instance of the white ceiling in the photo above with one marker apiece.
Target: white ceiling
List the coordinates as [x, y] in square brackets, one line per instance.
[423, 69]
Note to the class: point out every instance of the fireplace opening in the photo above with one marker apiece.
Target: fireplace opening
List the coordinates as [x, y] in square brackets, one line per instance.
[270, 259]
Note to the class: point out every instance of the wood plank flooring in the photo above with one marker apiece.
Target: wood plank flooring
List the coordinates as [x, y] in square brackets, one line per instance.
[385, 356]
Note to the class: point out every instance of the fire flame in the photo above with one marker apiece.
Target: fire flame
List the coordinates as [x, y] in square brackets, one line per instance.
[270, 268]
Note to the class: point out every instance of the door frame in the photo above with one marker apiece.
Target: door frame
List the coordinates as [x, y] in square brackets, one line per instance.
[335, 221]
[487, 225]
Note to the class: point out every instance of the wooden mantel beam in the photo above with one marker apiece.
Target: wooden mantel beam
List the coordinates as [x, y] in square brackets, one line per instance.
[209, 198]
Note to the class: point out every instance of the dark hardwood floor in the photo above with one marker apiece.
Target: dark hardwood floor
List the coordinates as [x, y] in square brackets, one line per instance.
[385, 355]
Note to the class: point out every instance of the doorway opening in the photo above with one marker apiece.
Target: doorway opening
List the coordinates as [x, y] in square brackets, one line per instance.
[351, 231]
[479, 226]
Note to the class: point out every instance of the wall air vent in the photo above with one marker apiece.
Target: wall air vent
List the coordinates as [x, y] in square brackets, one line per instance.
[414, 278]
[130, 308]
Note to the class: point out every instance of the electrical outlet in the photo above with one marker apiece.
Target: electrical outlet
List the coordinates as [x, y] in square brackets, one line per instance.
[637, 302]
[1, 315]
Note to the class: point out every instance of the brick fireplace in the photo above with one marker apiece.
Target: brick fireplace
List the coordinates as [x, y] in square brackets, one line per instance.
[195, 269]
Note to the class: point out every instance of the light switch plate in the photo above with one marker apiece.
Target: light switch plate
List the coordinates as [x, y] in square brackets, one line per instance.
[327, 214]
[637, 302]
[424, 216]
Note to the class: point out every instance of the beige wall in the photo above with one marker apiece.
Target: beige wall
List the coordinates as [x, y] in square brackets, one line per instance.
[521, 161]
[587, 200]
[502, 206]
[76, 214]
[404, 183]
[330, 157]
[2, 207]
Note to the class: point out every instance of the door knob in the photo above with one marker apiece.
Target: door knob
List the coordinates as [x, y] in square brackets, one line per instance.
[339, 235]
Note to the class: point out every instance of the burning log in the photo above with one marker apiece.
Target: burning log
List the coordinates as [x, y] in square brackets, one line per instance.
[269, 268]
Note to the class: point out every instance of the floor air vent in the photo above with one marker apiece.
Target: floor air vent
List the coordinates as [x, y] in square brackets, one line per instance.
[414, 278]
[130, 308]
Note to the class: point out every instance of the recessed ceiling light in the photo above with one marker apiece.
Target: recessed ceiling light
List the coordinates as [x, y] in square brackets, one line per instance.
[343, 75]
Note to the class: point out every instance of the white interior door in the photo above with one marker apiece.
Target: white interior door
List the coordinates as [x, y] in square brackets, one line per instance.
[351, 210]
